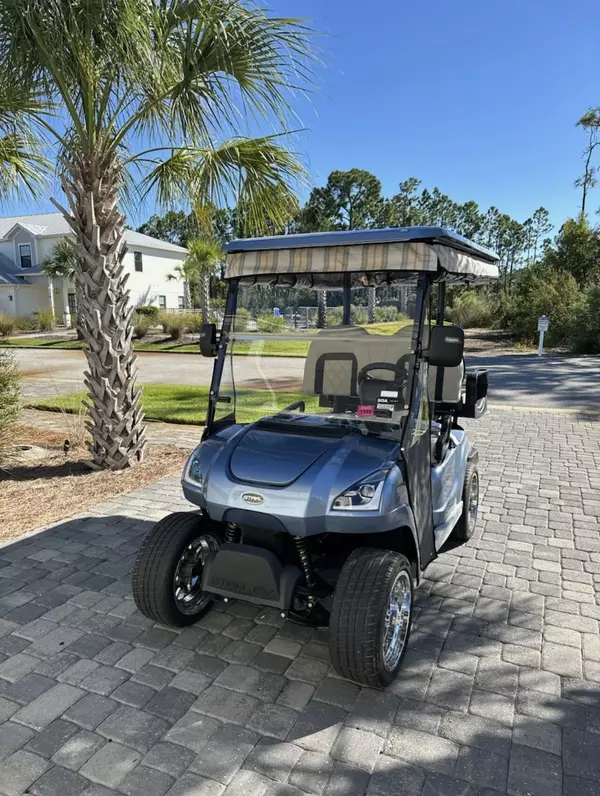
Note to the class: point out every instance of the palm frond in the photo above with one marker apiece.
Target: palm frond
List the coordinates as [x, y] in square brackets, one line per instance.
[258, 173]
[22, 166]
[62, 260]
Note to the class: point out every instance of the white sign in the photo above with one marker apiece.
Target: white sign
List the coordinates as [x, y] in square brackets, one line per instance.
[543, 323]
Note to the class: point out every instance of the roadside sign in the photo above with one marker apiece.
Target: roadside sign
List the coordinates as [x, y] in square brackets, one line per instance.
[543, 324]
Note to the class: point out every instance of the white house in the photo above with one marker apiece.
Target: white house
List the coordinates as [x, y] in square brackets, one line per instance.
[26, 241]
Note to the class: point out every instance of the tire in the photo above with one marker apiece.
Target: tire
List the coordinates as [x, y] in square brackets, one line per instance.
[464, 528]
[358, 617]
[157, 563]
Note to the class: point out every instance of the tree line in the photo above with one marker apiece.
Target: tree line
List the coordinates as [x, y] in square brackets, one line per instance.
[353, 199]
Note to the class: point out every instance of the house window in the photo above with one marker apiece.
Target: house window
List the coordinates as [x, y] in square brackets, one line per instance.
[162, 302]
[137, 258]
[25, 255]
[180, 302]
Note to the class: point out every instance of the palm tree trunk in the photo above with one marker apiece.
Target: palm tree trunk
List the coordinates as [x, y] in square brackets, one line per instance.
[51, 295]
[205, 296]
[118, 437]
[79, 319]
[187, 296]
[371, 299]
[321, 309]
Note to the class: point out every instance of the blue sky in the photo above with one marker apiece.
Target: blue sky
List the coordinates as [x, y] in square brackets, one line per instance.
[478, 98]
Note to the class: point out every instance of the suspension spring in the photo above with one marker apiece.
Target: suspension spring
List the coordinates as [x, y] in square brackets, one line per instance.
[232, 532]
[305, 562]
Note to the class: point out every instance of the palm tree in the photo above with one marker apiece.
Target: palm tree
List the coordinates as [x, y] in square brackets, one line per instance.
[154, 94]
[195, 272]
[22, 165]
[62, 262]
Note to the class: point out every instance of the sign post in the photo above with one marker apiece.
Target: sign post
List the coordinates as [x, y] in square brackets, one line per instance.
[543, 324]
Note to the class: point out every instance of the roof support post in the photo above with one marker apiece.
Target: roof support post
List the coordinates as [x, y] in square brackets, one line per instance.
[346, 299]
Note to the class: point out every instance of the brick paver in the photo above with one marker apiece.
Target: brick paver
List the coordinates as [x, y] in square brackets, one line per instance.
[499, 694]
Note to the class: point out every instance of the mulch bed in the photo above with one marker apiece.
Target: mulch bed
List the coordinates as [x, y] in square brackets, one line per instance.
[54, 486]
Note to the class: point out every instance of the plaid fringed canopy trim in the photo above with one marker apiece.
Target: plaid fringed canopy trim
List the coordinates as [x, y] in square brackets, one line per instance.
[322, 264]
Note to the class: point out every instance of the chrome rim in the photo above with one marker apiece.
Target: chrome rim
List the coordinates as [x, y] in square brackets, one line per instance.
[187, 581]
[397, 621]
[473, 500]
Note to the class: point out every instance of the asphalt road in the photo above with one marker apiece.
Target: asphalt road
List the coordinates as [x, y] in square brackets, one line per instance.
[517, 380]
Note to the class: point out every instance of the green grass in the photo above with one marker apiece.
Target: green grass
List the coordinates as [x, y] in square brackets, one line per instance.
[39, 342]
[176, 403]
[270, 348]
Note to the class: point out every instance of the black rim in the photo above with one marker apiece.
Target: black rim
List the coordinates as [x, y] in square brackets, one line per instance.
[187, 581]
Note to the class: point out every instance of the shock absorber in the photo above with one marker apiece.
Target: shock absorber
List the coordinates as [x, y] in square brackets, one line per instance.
[304, 557]
[231, 532]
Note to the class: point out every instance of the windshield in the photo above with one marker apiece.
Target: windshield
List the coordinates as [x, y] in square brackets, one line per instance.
[289, 354]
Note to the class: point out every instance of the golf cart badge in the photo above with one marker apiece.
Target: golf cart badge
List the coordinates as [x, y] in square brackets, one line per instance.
[253, 498]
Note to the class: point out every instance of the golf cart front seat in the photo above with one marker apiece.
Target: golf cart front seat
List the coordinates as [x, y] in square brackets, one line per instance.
[335, 359]
[337, 356]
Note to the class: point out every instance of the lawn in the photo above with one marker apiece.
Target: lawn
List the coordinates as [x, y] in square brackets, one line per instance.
[176, 403]
[271, 348]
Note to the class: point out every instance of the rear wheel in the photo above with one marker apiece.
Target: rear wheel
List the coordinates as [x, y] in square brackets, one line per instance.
[371, 616]
[465, 527]
[167, 576]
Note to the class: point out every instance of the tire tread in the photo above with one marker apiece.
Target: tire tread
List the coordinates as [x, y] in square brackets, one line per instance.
[155, 564]
[360, 597]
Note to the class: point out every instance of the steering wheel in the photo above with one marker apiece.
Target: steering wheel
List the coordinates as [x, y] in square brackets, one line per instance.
[398, 369]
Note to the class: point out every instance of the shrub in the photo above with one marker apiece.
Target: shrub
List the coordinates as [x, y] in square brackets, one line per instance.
[357, 315]
[194, 322]
[149, 311]
[7, 325]
[585, 329]
[334, 316]
[473, 310]
[25, 323]
[44, 321]
[386, 314]
[270, 323]
[544, 291]
[141, 326]
[174, 324]
[241, 321]
[10, 399]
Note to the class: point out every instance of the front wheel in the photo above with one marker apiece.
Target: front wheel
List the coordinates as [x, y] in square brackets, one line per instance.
[371, 616]
[167, 575]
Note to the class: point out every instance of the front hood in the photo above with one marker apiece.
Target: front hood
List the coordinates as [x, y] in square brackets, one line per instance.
[285, 475]
[276, 454]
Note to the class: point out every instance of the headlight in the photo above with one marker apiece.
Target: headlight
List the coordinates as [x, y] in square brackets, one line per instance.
[192, 471]
[365, 495]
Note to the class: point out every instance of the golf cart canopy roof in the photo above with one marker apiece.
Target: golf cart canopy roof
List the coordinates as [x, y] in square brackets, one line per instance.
[371, 255]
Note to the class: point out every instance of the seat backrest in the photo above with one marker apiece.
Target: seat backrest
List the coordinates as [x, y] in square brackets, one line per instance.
[336, 357]
[334, 360]
[452, 384]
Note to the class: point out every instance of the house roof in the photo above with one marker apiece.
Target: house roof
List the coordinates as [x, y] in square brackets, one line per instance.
[9, 273]
[51, 225]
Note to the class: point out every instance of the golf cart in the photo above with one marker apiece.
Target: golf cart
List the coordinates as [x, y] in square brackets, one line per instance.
[333, 466]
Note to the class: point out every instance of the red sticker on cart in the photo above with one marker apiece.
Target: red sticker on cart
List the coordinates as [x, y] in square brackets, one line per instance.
[364, 410]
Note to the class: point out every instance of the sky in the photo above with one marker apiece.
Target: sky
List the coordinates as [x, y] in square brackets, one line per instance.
[478, 98]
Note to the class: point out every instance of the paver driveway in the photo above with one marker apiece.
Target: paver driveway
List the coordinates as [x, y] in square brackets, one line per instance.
[500, 691]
